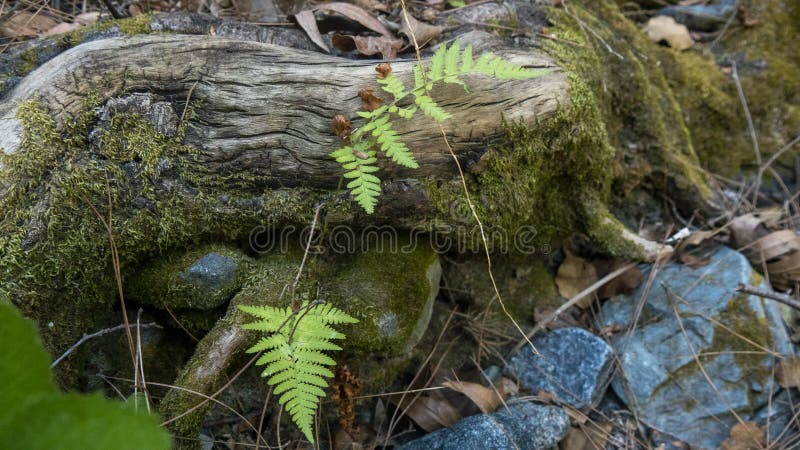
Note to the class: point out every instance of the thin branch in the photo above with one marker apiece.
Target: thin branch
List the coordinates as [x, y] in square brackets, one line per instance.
[777, 296]
[102, 332]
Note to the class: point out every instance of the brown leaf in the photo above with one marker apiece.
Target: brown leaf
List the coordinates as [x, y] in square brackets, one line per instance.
[368, 45]
[384, 70]
[308, 23]
[507, 387]
[62, 28]
[781, 252]
[588, 437]
[664, 28]
[574, 275]
[486, 399]
[690, 252]
[27, 24]
[423, 32]
[747, 229]
[369, 101]
[623, 284]
[788, 373]
[357, 14]
[341, 127]
[745, 436]
[432, 412]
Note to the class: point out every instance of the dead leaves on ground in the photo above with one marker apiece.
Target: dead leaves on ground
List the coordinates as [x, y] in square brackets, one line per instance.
[745, 436]
[26, 24]
[778, 252]
[387, 44]
[442, 407]
[575, 274]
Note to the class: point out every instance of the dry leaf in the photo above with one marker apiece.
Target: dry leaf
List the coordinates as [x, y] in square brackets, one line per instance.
[788, 373]
[574, 275]
[26, 24]
[384, 70]
[486, 399]
[664, 28]
[308, 23]
[781, 252]
[423, 32]
[369, 101]
[623, 284]
[341, 127]
[747, 229]
[691, 252]
[507, 387]
[584, 438]
[368, 45]
[745, 436]
[432, 412]
[357, 14]
[62, 28]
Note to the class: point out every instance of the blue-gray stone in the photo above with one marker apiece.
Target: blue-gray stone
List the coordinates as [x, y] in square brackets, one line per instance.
[731, 333]
[213, 272]
[701, 17]
[778, 414]
[524, 425]
[572, 363]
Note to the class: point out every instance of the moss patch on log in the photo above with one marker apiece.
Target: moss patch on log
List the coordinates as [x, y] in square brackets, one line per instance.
[54, 251]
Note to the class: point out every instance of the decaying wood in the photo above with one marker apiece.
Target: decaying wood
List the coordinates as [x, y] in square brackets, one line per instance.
[267, 110]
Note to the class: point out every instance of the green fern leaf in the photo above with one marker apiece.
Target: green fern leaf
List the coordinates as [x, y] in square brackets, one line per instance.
[364, 187]
[394, 86]
[295, 361]
[437, 63]
[466, 60]
[431, 109]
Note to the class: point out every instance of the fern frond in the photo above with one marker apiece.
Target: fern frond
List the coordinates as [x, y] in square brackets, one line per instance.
[364, 186]
[447, 65]
[295, 362]
[431, 109]
[394, 86]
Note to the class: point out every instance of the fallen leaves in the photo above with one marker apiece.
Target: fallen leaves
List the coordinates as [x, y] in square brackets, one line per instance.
[367, 45]
[788, 373]
[777, 251]
[412, 28]
[440, 408]
[745, 436]
[665, 29]
[576, 274]
[27, 24]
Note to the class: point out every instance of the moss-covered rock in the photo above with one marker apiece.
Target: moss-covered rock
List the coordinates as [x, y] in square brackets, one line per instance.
[391, 293]
[202, 278]
[524, 283]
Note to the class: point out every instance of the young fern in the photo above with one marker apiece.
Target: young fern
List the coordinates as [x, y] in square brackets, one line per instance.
[359, 156]
[294, 354]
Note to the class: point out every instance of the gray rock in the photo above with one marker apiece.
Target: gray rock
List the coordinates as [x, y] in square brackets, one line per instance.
[524, 425]
[573, 364]
[660, 379]
[211, 272]
[202, 278]
[778, 415]
[701, 17]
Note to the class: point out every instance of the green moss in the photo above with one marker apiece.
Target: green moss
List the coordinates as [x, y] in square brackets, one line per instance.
[54, 251]
[130, 26]
[164, 283]
[28, 60]
[743, 327]
[524, 285]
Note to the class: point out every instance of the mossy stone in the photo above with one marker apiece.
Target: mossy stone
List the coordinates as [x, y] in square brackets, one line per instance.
[205, 277]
